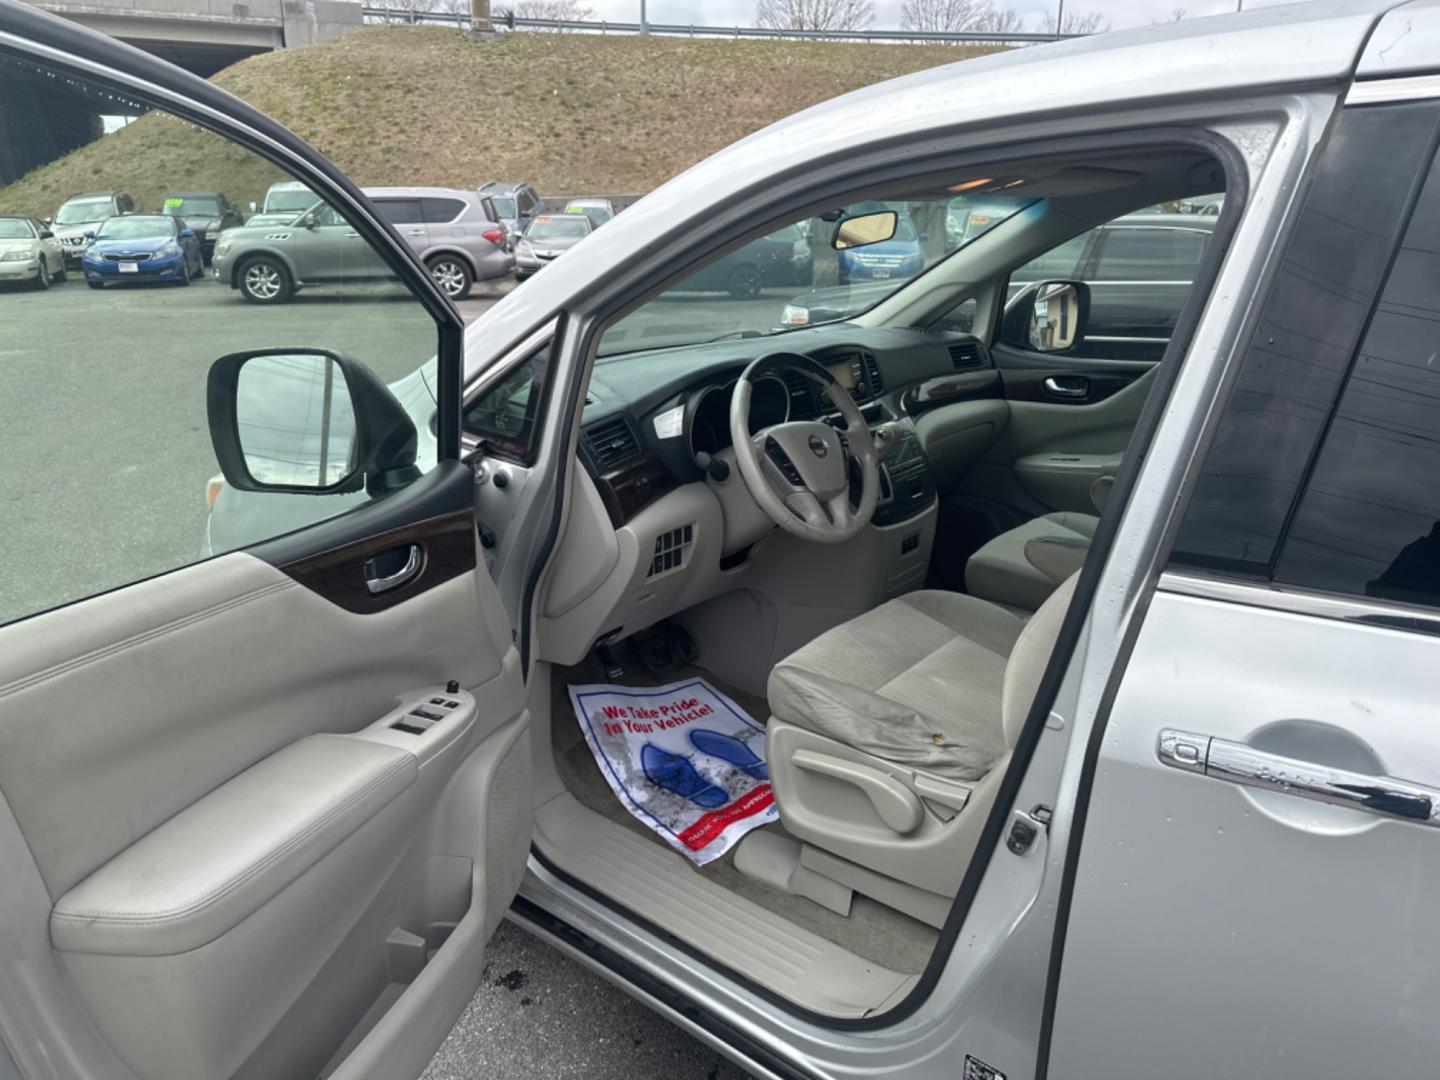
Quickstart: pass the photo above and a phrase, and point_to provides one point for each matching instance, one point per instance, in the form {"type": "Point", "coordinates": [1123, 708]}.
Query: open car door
{"type": "Point", "coordinates": [260, 810]}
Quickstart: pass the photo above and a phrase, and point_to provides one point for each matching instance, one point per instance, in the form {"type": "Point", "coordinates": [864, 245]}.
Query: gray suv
{"type": "Point", "coordinates": [451, 231]}
{"type": "Point", "coordinates": [516, 203]}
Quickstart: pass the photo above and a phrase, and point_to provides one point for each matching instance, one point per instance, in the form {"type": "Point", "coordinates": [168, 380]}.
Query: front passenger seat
{"type": "Point", "coordinates": [1022, 567]}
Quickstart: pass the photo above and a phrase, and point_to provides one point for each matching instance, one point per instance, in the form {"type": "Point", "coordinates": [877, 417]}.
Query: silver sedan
{"type": "Point", "coordinates": [29, 252]}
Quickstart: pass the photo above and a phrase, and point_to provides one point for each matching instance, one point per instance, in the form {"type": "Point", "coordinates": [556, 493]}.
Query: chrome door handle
{"type": "Point", "coordinates": [415, 232]}
{"type": "Point", "coordinates": [1225, 759]}
{"type": "Point", "coordinates": [378, 584]}
{"type": "Point", "coordinates": [1055, 388]}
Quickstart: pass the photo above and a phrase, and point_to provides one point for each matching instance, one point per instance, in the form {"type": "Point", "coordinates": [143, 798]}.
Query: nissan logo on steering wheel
{"type": "Point", "coordinates": [818, 447]}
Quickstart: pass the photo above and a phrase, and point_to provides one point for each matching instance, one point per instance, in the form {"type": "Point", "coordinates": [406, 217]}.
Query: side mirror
{"type": "Point", "coordinates": [187, 232]}
{"type": "Point", "coordinates": [865, 229]}
{"type": "Point", "coordinates": [47, 222]}
{"type": "Point", "coordinates": [309, 221]}
{"type": "Point", "coordinates": [252, 206]}
{"type": "Point", "coordinates": [46, 234]}
{"type": "Point", "coordinates": [309, 422]}
{"type": "Point", "coordinates": [1047, 317]}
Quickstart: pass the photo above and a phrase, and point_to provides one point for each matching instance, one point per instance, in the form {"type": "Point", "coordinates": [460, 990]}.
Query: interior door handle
{"type": "Point", "coordinates": [1224, 759]}
{"type": "Point", "coordinates": [1066, 386]}
{"type": "Point", "coordinates": [379, 583]}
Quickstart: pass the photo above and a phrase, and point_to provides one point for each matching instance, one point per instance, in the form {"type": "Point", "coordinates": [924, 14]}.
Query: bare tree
{"type": "Point", "coordinates": [1176, 14]}
{"type": "Point", "coordinates": [571, 10]}
{"type": "Point", "coordinates": [1091, 22]}
{"type": "Point", "coordinates": [1002, 21]}
{"type": "Point", "coordinates": [423, 7]}
{"type": "Point", "coordinates": [814, 14]}
{"type": "Point", "coordinates": [944, 16]}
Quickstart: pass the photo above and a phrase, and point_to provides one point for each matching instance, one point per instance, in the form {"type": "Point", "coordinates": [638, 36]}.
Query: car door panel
{"type": "Point", "coordinates": [248, 827]}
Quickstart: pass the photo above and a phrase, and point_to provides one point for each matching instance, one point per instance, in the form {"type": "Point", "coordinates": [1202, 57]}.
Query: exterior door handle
{"type": "Point", "coordinates": [1066, 386]}
{"type": "Point", "coordinates": [378, 583]}
{"type": "Point", "coordinates": [1238, 763]}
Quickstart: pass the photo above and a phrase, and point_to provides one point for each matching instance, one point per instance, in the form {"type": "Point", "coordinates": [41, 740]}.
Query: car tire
{"type": "Point", "coordinates": [745, 282]}
{"type": "Point", "coordinates": [264, 280]}
{"type": "Point", "coordinates": [42, 276]}
{"type": "Point", "coordinates": [452, 275]}
{"type": "Point", "coordinates": [95, 284]}
{"type": "Point", "coordinates": [184, 279]}
{"type": "Point", "coordinates": [62, 274]}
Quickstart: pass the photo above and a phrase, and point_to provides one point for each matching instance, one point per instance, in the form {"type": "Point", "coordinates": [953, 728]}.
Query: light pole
{"type": "Point", "coordinates": [645, 25]}
{"type": "Point", "coordinates": [1060, 20]}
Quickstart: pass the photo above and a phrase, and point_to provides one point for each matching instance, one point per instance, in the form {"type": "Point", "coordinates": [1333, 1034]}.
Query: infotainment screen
{"type": "Point", "coordinates": [848, 372]}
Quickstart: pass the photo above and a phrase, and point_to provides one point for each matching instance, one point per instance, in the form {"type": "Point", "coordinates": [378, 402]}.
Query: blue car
{"type": "Point", "coordinates": [894, 259]}
{"type": "Point", "coordinates": [142, 247]}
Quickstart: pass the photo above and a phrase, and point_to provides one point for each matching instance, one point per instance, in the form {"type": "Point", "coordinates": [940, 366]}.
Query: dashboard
{"type": "Point", "coordinates": [652, 419]}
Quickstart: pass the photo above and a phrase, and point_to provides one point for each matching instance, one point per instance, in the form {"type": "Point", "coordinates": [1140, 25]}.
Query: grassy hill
{"type": "Point", "coordinates": [425, 105]}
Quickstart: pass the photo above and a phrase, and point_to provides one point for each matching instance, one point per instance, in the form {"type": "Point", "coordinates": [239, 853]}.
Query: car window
{"type": "Point", "coordinates": [441, 211]}
{"type": "Point", "coordinates": [197, 205]}
{"type": "Point", "coordinates": [793, 276]}
{"type": "Point", "coordinates": [326, 216]}
{"type": "Point", "coordinates": [558, 228]}
{"type": "Point", "coordinates": [1308, 328]}
{"type": "Point", "coordinates": [526, 201]}
{"type": "Point", "coordinates": [1060, 262]}
{"type": "Point", "coordinates": [15, 229]}
{"type": "Point", "coordinates": [1149, 254]}
{"type": "Point", "coordinates": [504, 417]}
{"type": "Point", "coordinates": [399, 211]}
{"type": "Point", "coordinates": [110, 474]}
{"type": "Point", "coordinates": [504, 206]}
{"type": "Point", "coordinates": [1368, 523]}
{"type": "Point", "coordinates": [83, 211]}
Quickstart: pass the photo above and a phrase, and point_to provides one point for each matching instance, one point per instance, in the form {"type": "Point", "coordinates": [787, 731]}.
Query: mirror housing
{"type": "Point", "coordinates": [187, 231]}
{"type": "Point", "coordinates": [309, 422]}
{"type": "Point", "coordinates": [89, 234]}
{"type": "Point", "coordinates": [1047, 317]}
{"type": "Point", "coordinates": [46, 234]}
{"type": "Point", "coordinates": [865, 229]}
{"type": "Point", "coordinates": [309, 221]}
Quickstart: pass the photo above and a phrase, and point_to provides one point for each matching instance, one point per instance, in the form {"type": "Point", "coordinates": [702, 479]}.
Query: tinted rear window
{"type": "Point", "coordinates": [399, 211]}
{"type": "Point", "coordinates": [1148, 254]}
{"type": "Point", "coordinates": [441, 211]}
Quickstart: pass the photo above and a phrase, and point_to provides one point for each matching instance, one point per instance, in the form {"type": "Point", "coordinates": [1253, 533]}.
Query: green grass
{"type": "Point", "coordinates": [425, 105]}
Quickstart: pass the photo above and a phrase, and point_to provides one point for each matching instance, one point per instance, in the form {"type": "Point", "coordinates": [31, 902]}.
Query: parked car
{"type": "Point", "coordinates": [286, 197]}
{"type": "Point", "coordinates": [516, 203]}
{"type": "Point", "coordinates": [779, 259]}
{"type": "Point", "coordinates": [450, 233]}
{"type": "Point", "coordinates": [1146, 785]}
{"type": "Point", "coordinates": [208, 213]}
{"type": "Point", "coordinates": [142, 247]}
{"type": "Point", "coordinates": [895, 259]}
{"type": "Point", "coordinates": [81, 214]}
{"type": "Point", "coordinates": [546, 238]}
{"type": "Point", "coordinates": [268, 264]}
{"type": "Point", "coordinates": [599, 211]}
{"type": "Point", "coordinates": [29, 252]}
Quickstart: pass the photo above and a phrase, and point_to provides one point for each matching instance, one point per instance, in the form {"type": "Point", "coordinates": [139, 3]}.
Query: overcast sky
{"type": "Point", "coordinates": [1121, 13]}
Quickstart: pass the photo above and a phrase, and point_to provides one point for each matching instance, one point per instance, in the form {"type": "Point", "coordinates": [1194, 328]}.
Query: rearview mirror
{"type": "Point", "coordinates": [308, 422]}
{"type": "Point", "coordinates": [865, 229]}
{"type": "Point", "coordinates": [1047, 317]}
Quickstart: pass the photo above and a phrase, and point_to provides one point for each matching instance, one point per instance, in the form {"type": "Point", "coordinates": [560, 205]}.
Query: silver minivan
{"type": "Point", "coordinates": [1095, 690]}
{"type": "Point", "coordinates": [449, 231]}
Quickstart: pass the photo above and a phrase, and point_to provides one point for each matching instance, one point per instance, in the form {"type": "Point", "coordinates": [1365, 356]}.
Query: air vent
{"type": "Point", "coordinates": [802, 395]}
{"type": "Point", "coordinates": [965, 354]}
{"type": "Point", "coordinates": [611, 443]}
{"type": "Point", "coordinates": [874, 385]}
{"type": "Point", "coordinates": [671, 550]}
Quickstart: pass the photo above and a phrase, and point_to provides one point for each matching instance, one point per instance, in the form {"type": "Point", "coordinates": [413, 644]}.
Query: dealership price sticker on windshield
{"type": "Point", "coordinates": [683, 759]}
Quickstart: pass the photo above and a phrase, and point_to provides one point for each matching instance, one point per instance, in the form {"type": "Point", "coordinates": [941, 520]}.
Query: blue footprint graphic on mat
{"type": "Point", "coordinates": [728, 748]}
{"type": "Point", "coordinates": [675, 774]}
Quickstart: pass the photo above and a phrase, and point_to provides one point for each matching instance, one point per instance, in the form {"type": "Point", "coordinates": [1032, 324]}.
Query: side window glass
{"type": "Point", "coordinates": [1168, 255]}
{"type": "Point", "coordinates": [1061, 261]}
{"type": "Point", "coordinates": [441, 211]}
{"type": "Point", "coordinates": [526, 201]}
{"type": "Point", "coordinates": [110, 472]}
{"type": "Point", "coordinates": [1326, 282]}
{"type": "Point", "coordinates": [1368, 523]}
{"type": "Point", "coordinates": [399, 211]}
{"type": "Point", "coordinates": [504, 417]}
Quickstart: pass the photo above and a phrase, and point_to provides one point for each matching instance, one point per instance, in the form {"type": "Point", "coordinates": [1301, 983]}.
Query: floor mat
{"type": "Point", "coordinates": [872, 930]}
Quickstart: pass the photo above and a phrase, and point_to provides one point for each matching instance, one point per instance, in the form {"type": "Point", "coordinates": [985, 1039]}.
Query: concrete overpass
{"type": "Point", "coordinates": [204, 36]}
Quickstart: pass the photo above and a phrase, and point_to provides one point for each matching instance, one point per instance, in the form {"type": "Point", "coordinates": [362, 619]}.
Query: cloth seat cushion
{"type": "Point", "coordinates": [917, 681]}
{"type": "Point", "coordinates": [1022, 567]}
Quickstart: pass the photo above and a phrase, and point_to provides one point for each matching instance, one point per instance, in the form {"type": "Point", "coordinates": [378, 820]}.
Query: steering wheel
{"type": "Point", "coordinates": [799, 471]}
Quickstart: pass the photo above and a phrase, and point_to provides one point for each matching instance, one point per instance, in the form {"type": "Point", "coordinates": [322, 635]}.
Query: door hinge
{"type": "Point", "coordinates": [1024, 828]}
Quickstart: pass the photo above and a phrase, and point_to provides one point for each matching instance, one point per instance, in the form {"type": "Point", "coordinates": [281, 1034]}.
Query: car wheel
{"type": "Point", "coordinates": [744, 283]}
{"type": "Point", "coordinates": [62, 274]}
{"type": "Point", "coordinates": [452, 275]}
{"type": "Point", "coordinates": [42, 276]}
{"type": "Point", "coordinates": [184, 279]}
{"type": "Point", "coordinates": [96, 284]}
{"type": "Point", "coordinates": [265, 281]}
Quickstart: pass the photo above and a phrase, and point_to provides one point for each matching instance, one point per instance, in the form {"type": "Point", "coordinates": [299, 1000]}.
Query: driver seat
{"type": "Point", "coordinates": [889, 736]}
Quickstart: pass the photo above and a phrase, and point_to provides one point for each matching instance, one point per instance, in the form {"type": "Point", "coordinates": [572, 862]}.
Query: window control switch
{"type": "Point", "coordinates": [440, 701]}
{"type": "Point", "coordinates": [426, 714]}
{"type": "Point", "coordinates": [450, 704]}
{"type": "Point", "coordinates": [409, 729]}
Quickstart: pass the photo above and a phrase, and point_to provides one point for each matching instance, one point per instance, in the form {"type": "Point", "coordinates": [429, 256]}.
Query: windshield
{"type": "Point", "coordinates": [557, 228]}
{"type": "Point", "coordinates": [504, 205]}
{"type": "Point", "coordinates": [596, 213]}
{"type": "Point", "coordinates": [295, 199]}
{"type": "Point", "coordinates": [129, 228]}
{"type": "Point", "coordinates": [83, 211]}
{"type": "Point", "coordinates": [793, 277]}
{"type": "Point", "coordinates": [197, 205]}
{"type": "Point", "coordinates": [15, 229]}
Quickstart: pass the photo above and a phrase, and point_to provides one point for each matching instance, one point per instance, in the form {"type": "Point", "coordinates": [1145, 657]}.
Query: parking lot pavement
{"type": "Point", "coordinates": [540, 1016]}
